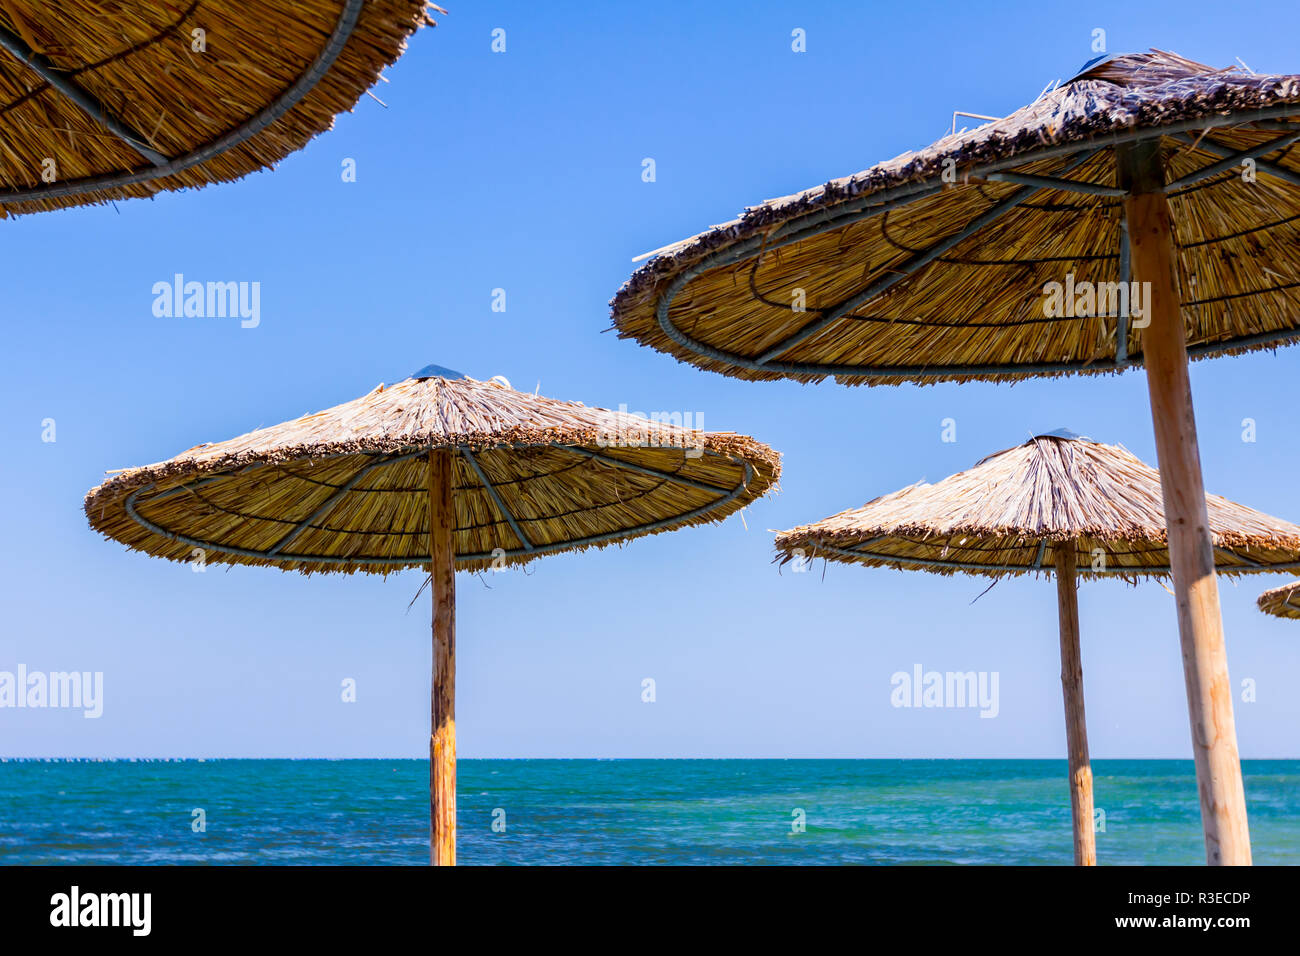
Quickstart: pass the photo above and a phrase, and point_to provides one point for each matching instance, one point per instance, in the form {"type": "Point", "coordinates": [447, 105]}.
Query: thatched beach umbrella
{"type": "Point", "coordinates": [442, 472]}
{"type": "Point", "coordinates": [1009, 251]}
{"type": "Point", "coordinates": [109, 101]}
{"type": "Point", "coordinates": [1054, 505]}
{"type": "Point", "coordinates": [1281, 602]}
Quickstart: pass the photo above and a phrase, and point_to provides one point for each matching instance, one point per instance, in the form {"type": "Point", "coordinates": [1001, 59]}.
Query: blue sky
{"type": "Point", "coordinates": [522, 171]}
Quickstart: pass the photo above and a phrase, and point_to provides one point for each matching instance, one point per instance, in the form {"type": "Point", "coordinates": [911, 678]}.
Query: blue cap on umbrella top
{"type": "Point", "coordinates": [438, 371]}
{"type": "Point", "coordinates": [1062, 433]}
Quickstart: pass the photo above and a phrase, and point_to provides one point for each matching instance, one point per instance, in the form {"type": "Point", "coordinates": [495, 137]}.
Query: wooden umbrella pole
{"type": "Point", "coordinates": [442, 739]}
{"type": "Point", "coordinates": [1191, 549]}
{"type": "Point", "coordinates": [1076, 726]}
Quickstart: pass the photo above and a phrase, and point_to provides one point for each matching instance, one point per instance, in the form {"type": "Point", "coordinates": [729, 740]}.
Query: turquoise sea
{"type": "Point", "coordinates": [620, 812]}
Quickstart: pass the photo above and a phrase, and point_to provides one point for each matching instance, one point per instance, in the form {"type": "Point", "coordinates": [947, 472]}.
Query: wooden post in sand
{"type": "Point", "coordinates": [442, 739]}
{"type": "Point", "coordinates": [1076, 727]}
{"type": "Point", "coordinates": [1191, 550]}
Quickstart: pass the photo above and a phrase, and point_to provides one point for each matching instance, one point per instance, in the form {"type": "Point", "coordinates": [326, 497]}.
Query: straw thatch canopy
{"type": "Point", "coordinates": [346, 489]}
{"type": "Point", "coordinates": [102, 101]}
{"type": "Point", "coordinates": [1281, 602]}
{"type": "Point", "coordinates": [1013, 510]}
{"type": "Point", "coordinates": [933, 266]}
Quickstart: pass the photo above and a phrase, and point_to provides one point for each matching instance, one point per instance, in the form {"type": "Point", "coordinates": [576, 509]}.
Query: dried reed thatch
{"type": "Point", "coordinates": [908, 277]}
{"type": "Point", "coordinates": [1013, 510]}
{"type": "Point", "coordinates": [346, 489]}
{"type": "Point", "coordinates": [115, 96]}
{"type": "Point", "coordinates": [1281, 602]}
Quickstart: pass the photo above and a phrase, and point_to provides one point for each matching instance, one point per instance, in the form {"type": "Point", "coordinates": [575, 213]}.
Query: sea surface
{"type": "Point", "coordinates": [620, 812]}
